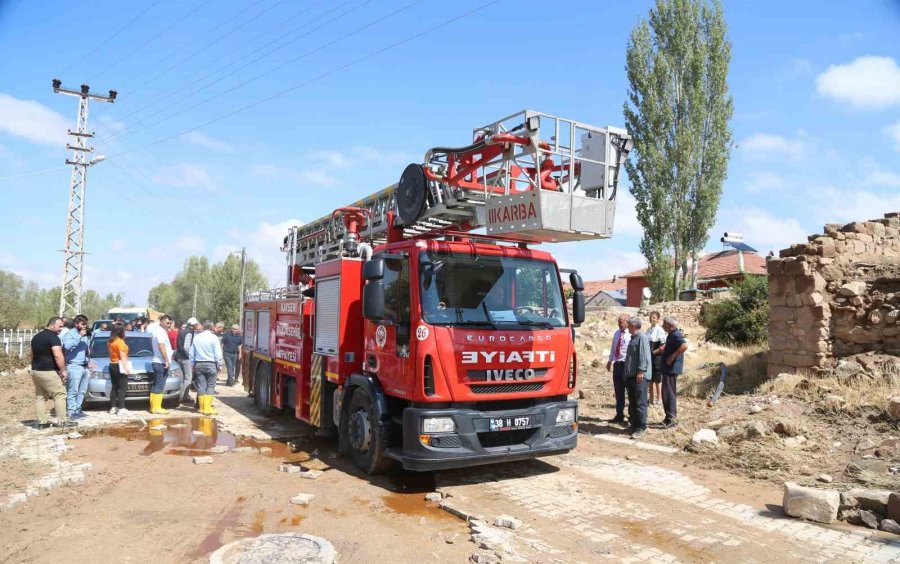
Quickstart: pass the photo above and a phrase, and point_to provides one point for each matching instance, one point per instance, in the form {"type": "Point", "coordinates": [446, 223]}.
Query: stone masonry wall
{"type": "Point", "coordinates": [837, 295]}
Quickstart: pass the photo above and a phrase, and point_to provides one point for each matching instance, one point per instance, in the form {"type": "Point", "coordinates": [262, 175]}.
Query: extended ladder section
{"type": "Point", "coordinates": [530, 176]}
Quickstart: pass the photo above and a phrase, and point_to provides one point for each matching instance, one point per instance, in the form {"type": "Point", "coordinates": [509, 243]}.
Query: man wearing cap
{"type": "Point", "coordinates": [231, 350]}
{"type": "Point", "coordinates": [183, 357]}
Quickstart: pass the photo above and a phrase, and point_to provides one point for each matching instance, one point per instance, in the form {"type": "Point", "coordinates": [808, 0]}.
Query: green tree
{"type": "Point", "coordinates": [742, 319]}
{"type": "Point", "coordinates": [217, 289]}
{"type": "Point", "coordinates": [677, 111]}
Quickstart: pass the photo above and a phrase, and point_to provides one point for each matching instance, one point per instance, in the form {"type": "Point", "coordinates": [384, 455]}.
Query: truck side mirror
{"type": "Point", "coordinates": [374, 269]}
{"type": "Point", "coordinates": [576, 282]}
{"type": "Point", "coordinates": [373, 299]}
{"type": "Point", "coordinates": [578, 308]}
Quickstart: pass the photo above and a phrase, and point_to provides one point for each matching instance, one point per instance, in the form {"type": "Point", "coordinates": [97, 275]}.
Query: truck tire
{"type": "Point", "coordinates": [262, 390]}
{"type": "Point", "coordinates": [366, 443]}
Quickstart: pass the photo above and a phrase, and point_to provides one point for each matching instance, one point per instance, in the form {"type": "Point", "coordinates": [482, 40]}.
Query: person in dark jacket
{"type": "Point", "coordinates": [637, 377]}
{"type": "Point", "coordinates": [672, 365]}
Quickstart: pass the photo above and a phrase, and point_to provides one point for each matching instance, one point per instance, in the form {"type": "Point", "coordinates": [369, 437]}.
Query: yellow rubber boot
{"type": "Point", "coordinates": [201, 404]}
{"type": "Point", "coordinates": [155, 431]}
{"type": "Point", "coordinates": [209, 407]}
{"type": "Point", "coordinates": [206, 426]}
{"type": "Point", "coordinates": [156, 404]}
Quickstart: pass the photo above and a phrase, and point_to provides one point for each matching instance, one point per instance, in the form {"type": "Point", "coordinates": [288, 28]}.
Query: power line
{"type": "Point", "coordinates": [270, 71]}
{"type": "Point", "coordinates": [163, 96]}
{"type": "Point", "coordinates": [33, 173]}
{"type": "Point", "coordinates": [190, 44]}
{"type": "Point", "coordinates": [110, 38]}
{"type": "Point", "coordinates": [321, 76]}
{"type": "Point", "coordinates": [154, 38]}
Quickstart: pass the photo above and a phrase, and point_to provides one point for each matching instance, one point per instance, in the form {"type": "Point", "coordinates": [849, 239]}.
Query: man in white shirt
{"type": "Point", "coordinates": [616, 364]}
{"type": "Point", "coordinates": [162, 355]}
{"type": "Point", "coordinates": [206, 356]}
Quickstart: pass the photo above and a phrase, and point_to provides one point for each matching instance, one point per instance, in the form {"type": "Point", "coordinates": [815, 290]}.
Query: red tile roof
{"type": "Point", "coordinates": [720, 265]}
{"type": "Point", "coordinates": [593, 287]}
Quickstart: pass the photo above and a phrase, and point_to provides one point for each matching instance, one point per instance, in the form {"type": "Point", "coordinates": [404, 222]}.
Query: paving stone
{"type": "Point", "coordinates": [434, 497]}
{"type": "Point", "coordinates": [508, 522]}
{"type": "Point", "coordinates": [302, 499]}
{"type": "Point", "coordinates": [203, 460]}
{"type": "Point", "coordinates": [219, 449]}
{"type": "Point", "coordinates": [809, 503]}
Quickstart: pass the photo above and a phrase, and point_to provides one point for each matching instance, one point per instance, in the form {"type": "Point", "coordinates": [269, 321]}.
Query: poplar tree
{"type": "Point", "coordinates": [677, 111]}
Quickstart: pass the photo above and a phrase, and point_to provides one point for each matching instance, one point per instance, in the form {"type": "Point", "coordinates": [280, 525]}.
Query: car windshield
{"type": "Point", "coordinates": [137, 346]}
{"type": "Point", "coordinates": [125, 316]}
{"type": "Point", "coordinates": [495, 291]}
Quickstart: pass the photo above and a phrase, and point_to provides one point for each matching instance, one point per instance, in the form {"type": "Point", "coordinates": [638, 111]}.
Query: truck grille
{"type": "Point", "coordinates": [507, 388]}
{"type": "Point", "coordinates": [505, 438]}
{"type": "Point", "coordinates": [558, 432]}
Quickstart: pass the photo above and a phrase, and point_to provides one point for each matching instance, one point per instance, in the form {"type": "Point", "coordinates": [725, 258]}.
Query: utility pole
{"type": "Point", "coordinates": [194, 307]}
{"type": "Point", "coordinates": [241, 296]}
{"type": "Point", "coordinates": [70, 291]}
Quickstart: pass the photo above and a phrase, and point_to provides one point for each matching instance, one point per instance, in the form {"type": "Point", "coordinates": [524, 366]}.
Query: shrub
{"type": "Point", "coordinates": [741, 320]}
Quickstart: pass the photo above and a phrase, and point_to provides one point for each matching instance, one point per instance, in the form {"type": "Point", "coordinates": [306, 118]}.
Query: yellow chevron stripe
{"type": "Point", "coordinates": [315, 391]}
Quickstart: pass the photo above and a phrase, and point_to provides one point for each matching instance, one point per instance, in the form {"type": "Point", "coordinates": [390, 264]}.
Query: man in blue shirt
{"type": "Point", "coordinates": [206, 356]}
{"type": "Point", "coordinates": [75, 343]}
{"type": "Point", "coordinates": [672, 366]}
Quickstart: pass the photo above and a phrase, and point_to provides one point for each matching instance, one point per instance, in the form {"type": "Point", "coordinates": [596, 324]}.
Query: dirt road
{"type": "Point", "coordinates": [129, 491]}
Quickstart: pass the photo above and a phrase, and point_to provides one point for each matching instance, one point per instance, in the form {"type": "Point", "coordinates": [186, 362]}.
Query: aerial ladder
{"type": "Point", "coordinates": [530, 176]}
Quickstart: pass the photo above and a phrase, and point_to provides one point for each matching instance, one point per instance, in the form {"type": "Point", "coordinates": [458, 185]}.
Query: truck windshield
{"type": "Point", "coordinates": [512, 293]}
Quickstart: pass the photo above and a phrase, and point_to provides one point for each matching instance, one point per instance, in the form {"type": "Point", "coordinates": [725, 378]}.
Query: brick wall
{"type": "Point", "coordinates": [836, 295]}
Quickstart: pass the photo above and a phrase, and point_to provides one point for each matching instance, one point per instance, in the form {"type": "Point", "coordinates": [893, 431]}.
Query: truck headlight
{"type": "Point", "coordinates": [98, 375]}
{"type": "Point", "coordinates": [565, 415]}
{"type": "Point", "coordinates": [438, 425]}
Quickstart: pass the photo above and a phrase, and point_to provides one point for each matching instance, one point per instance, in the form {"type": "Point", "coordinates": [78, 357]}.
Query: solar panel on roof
{"type": "Point", "coordinates": [741, 247]}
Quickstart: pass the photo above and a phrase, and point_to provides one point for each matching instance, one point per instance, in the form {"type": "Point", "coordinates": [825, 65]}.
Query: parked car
{"type": "Point", "coordinates": [100, 323]}
{"type": "Point", "coordinates": [140, 354]}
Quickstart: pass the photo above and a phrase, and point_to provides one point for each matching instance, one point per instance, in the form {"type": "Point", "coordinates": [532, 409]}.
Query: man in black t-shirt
{"type": "Point", "coordinates": [48, 372]}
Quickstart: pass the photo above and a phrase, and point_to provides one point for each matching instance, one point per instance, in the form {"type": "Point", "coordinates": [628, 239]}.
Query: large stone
{"type": "Point", "coordinates": [820, 506]}
{"type": "Point", "coordinates": [855, 288]}
{"type": "Point", "coordinates": [893, 507]}
{"type": "Point", "coordinates": [302, 499]}
{"type": "Point", "coordinates": [508, 522]}
{"type": "Point", "coordinates": [868, 519]}
{"type": "Point", "coordinates": [863, 465]}
{"type": "Point", "coordinates": [873, 500]}
{"type": "Point", "coordinates": [705, 437]}
{"type": "Point", "coordinates": [729, 432]}
{"type": "Point", "coordinates": [756, 429]}
{"type": "Point", "coordinates": [893, 407]}
{"type": "Point", "coordinates": [890, 526]}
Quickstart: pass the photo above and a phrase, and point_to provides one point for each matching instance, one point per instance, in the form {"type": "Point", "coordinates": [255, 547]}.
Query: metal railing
{"type": "Point", "coordinates": [16, 341]}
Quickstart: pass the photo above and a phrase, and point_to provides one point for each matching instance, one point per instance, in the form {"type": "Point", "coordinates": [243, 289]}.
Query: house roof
{"type": "Point", "coordinates": [719, 265]}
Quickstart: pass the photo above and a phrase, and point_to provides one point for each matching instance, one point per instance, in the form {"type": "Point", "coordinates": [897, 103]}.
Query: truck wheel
{"type": "Point", "coordinates": [366, 443]}
{"type": "Point", "coordinates": [262, 390]}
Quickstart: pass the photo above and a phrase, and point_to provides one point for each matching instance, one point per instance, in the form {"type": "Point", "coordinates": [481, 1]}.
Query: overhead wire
{"type": "Point", "coordinates": [322, 76]}
{"type": "Point", "coordinates": [162, 97]}
{"type": "Point", "coordinates": [33, 172]}
{"type": "Point", "coordinates": [272, 70]}
{"type": "Point", "coordinates": [110, 38]}
{"type": "Point", "coordinates": [148, 41]}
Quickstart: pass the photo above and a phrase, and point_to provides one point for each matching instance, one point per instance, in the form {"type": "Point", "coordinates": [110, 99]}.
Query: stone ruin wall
{"type": "Point", "coordinates": [835, 296]}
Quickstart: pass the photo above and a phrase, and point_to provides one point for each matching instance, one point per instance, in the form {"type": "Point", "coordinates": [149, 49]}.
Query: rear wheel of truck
{"type": "Point", "coordinates": [262, 390]}
{"type": "Point", "coordinates": [367, 444]}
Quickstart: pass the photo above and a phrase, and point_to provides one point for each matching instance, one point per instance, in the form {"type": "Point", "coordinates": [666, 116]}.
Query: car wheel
{"type": "Point", "coordinates": [367, 444]}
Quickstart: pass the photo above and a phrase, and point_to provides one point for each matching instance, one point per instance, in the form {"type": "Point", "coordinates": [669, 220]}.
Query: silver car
{"type": "Point", "coordinates": [140, 354]}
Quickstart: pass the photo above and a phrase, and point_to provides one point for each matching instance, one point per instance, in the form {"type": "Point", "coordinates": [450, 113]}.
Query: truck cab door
{"type": "Point", "coordinates": [390, 359]}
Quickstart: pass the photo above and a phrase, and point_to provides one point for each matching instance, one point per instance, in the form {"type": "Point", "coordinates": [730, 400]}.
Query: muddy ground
{"type": "Point", "coordinates": [142, 497]}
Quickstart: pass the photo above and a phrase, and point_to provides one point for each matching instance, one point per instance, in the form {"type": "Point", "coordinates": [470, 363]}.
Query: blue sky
{"type": "Point", "coordinates": [816, 89]}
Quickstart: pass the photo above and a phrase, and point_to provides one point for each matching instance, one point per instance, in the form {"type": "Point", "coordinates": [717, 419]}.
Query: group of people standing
{"type": "Point", "coordinates": [645, 362]}
{"type": "Point", "coordinates": [61, 360]}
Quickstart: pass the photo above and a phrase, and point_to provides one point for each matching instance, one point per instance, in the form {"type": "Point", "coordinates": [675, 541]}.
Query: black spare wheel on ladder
{"type": "Point", "coordinates": [411, 192]}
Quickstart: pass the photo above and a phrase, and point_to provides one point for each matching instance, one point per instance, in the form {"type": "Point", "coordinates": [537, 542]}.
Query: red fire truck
{"type": "Point", "coordinates": [420, 324]}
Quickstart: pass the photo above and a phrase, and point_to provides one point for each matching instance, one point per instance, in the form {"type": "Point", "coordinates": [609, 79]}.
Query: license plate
{"type": "Point", "coordinates": [138, 387]}
{"type": "Point", "coordinates": [510, 423]}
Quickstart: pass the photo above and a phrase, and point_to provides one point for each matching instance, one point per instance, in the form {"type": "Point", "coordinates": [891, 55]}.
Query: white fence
{"type": "Point", "coordinates": [16, 341]}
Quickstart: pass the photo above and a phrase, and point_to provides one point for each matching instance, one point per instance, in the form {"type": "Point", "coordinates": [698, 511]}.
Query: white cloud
{"type": "Point", "coordinates": [182, 247]}
{"type": "Point", "coordinates": [626, 222]}
{"type": "Point", "coordinates": [763, 145]}
{"type": "Point", "coordinates": [32, 121]}
{"type": "Point", "coordinates": [883, 178]}
{"type": "Point", "coordinates": [762, 180]}
{"type": "Point", "coordinates": [336, 159]}
{"type": "Point", "coordinates": [185, 175]}
{"type": "Point", "coordinates": [204, 140]}
{"type": "Point", "coordinates": [117, 245]}
{"type": "Point", "coordinates": [263, 246]}
{"type": "Point", "coordinates": [594, 262]}
{"type": "Point", "coordinates": [833, 204]}
{"type": "Point", "coordinates": [893, 131]}
{"type": "Point", "coordinates": [868, 82]}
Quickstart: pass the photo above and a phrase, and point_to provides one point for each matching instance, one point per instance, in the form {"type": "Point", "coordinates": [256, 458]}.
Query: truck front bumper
{"type": "Point", "coordinates": [474, 442]}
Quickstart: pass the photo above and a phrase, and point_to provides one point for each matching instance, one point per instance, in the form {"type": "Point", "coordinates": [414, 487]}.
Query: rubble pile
{"type": "Point", "coordinates": [836, 296]}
